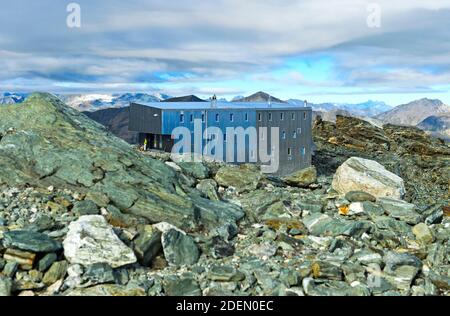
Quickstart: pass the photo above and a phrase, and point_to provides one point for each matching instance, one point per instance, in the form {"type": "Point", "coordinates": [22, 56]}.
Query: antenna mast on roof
{"type": "Point", "coordinates": [306, 103]}
{"type": "Point", "coordinates": [270, 101]}
{"type": "Point", "coordinates": [214, 101]}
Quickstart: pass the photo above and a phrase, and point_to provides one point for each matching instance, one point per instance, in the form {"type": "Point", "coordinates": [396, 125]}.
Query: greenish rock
{"type": "Point", "coordinates": [442, 282]}
{"type": "Point", "coordinates": [241, 178]}
{"type": "Point", "coordinates": [181, 286]}
{"type": "Point", "coordinates": [359, 196]}
{"type": "Point", "coordinates": [85, 207]}
{"type": "Point", "coordinates": [323, 225]}
{"type": "Point", "coordinates": [179, 249]}
{"type": "Point", "coordinates": [98, 273]}
{"type": "Point", "coordinates": [290, 277]}
{"type": "Point", "coordinates": [208, 188]}
{"type": "Point", "coordinates": [326, 270]}
{"type": "Point", "coordinates": [311, 206]}
{"type": "Point", "coordinates": [118, 219]}
{"type": "Point", "coordinates": [5, 286]}
{"type": "Point", "coordinates": [148, 245]}
{"type": "Point", "coordinates": [194, 169]}
{"type": "Point", "coordinates": [423, 233]}
{"type": "Point", "coordinates": [312, 287]}
{"type": "Point", "coordinates": [10, 269]}
{"type": "Point", "coordinates": [256, 203]}
{"type": "Point", "coordinates": [401, 210]}
{"type": "Point", "coordinates": [276, 210]}
{"type": "Point", "coordinates": [402, 277]}
{"type": "Point", "coordinates": [372, 209]}
{"type": "Point", "coordinates": [225, 274]}
{"type": "Point", "coordinates": [366, 257]}
{"type": "Point", "coordinates": [302, 178]}
{"type": "Point", "coordinates": [30, 241]}
{"type": "Point", "coordinates": [56, 272]}
{"type": "Point", "coordinates": [47, 261]}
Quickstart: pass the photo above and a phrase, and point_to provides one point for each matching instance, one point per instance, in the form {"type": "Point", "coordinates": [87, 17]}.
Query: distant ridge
{"type": "Point", "coordinates": [260, 97]}
{"type": "Point", "coordinates": [187, 98]}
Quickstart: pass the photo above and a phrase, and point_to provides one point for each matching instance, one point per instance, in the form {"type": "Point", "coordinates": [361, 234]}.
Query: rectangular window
{"type": "Point", "coordinates": [270, 116]}
{"type": "Point", "coordinates": [181, 118]}
{"type": "Point", "coordinates": [231, 117]}
{"type": "Point", "coordinates": [224, 137]}
{"type": "Point", "coordinates": [203, 117]}
{"type": "Point", "coordinates": [289, 151]}
{"type": "Point", "coordinates": [283, 135]}
{"type": "Point", "coordinates": [217, 117]}
{"type": "Point", "coordinates": [259, 117]}
{"type": "Point", "coordinates": [304, 115]}
{"type": "Point", "coordinates": [282, 116]}
{"type": "Point", "coordinates": [191, 118]}
{"type": "Point", "coordinates": [246, 117]}
{"type": "Point", "coordinates": [262, 135]}
{"type": "Point", "coordinates": [299, 130]}
{"type": "Point", "coordinates": [303, 151]}
{"type": "Point", "coordinates": [293, 116]}
{"type": "Point", "coordinates": [294, 135]}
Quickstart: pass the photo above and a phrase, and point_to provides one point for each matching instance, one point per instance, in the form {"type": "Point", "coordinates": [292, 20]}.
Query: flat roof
{"type": "Point", "coordinates": [222, 106]}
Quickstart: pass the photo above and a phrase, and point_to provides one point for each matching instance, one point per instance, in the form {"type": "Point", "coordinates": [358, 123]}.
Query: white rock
{"type": "Point", "coordinates": [356, 208]}
{"type": "Point", "coordinates": [357, 174]}
{"type": "Point", "coordinates": [164, 227]}
{"type": "Point", "coordinates": [91, 240]}
{"type": "Point", "coordinates": [173, 165]}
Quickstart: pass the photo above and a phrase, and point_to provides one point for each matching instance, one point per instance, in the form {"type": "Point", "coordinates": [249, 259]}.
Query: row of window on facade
{"type": "Point", "coordinates": [260, 118]}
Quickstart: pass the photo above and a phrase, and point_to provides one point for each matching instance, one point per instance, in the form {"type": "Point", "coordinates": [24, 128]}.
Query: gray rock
{"type": "Point", "coordinates": [179, 249]}
{"type": "Point", "coordinates": [47, 261]}
{"type": "Point", "coordinates": [243, 179]}
{"type": "Point", "coordinates": [85, 207]}
{"type": "Point", "coordinates": [442, 282]}
{"type": "Point", "coordinates": [324, 225]}
{"type": "Point", "coordinates": [194, 169]}
{"type": "Point", "coordinates": [30, 241]}
{"type": "Point", "coordinates": [302, 178]}
{"type": "Point", "coordinates": [208, 188]}
{"type": "Point", "coordinates": [423, 233]}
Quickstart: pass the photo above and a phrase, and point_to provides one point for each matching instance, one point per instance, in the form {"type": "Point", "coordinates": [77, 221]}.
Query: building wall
{"type": "Point", "coordinates": [145, 119]}
{"type": "Point", "coordinates": [300, 146]}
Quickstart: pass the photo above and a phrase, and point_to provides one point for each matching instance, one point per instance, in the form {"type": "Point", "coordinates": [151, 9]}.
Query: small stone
{"type": "Point", "coordinates": [179, 249]}
{"type": "Point", "coordinates": [302, 178]}
{"type": "Point", "coordinates": [86, 207]}
{"type": "Point", "coordinates": [393, 260]}
{"type": "Point", "coordinates": [10, 269]}
{"type": "Point", "coordinates": [5, 286]}
{"type": "Point", "coordinates": [359, 196]}
{"type": "Point", "coordinates": [208, 188]}
{"type": "Point", "coordinates": [47, 261]}
{"type": "Point", "coordinates": [98, 273]}
{"type": "Point", "coordinates": [423, 233]}
{"type": "Point", "coordinates": [263, 251]}
{"type": "Point", "coordinates": [30, 241]}
{"type": "Point", "coordinates": [56, 272]}
{"type": "Point", "coordinates": [326, 270]}
{"type": "Point", "coordinates": [221, 248]}
{"type": "Point", "coordinates": [225, 274]}
{"type": "Point", "coordinates": [401, 210]}
{"type": "Point", "coordinates": [181, 286]}
{"type": "Point", "coordinates": [23, 258]}
{"type": "Point", "coordinates": [148, 245]}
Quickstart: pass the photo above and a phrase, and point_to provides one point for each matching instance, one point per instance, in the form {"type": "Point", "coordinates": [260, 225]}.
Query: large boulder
{"type": "Point", "coordinates": [357, 174]}
{"type": "Point", "coordinates": [92, 240]}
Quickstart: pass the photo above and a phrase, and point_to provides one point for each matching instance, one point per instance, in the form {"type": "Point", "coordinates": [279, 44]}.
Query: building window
{"type": "Point", "coordinates": [270, 116]}
{"type": "Point", "coordinates": [252, 154]}
{"type": "Point", "coordinates": [262, 135]}
{"type": "Point", "coordinates": [294, 135]}
{"type": "Point", "coordinates": [181, 118]}
{"type": "Point", "coordinates": [259, 117]}
{"type": "Point", "coordinates": [299, 130]}
{"type": "Point", "coordinates": [303, 151]}
{"type": "Point", "coordinates": [284, 135]}
{"type": "Point", "coordinates": [203, 117]}
{"type": "Point", "coordinates": [231, 117]}
{"type": "Point", "coordinates": [191, 118]}
{"type": "Point", "coordinates": [293, 116]}
{"type": "Point", "coordinates": [282, 116]}
{"type": "Point", "coordinates": [289, 151]}
{"type": "Point", "coordinates": [217, 117]}
{"type": "Point", "coordinates": [224, 137]}
{"type": "Point", "coordinates": [246, 117]}
{"type": "Point", "coordinates": [304, 115]}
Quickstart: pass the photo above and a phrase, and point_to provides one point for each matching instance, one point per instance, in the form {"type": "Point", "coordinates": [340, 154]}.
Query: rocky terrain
{"type": "Point", "coordinates": [84, 213]}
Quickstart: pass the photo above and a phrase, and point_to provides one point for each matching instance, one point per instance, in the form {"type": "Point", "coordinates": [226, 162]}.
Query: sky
{"type": "Point", "coordinates": [351, 51]}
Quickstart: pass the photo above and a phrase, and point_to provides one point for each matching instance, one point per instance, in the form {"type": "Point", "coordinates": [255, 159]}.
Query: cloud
{"type": "Point", "coordinates": [204, 45]}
